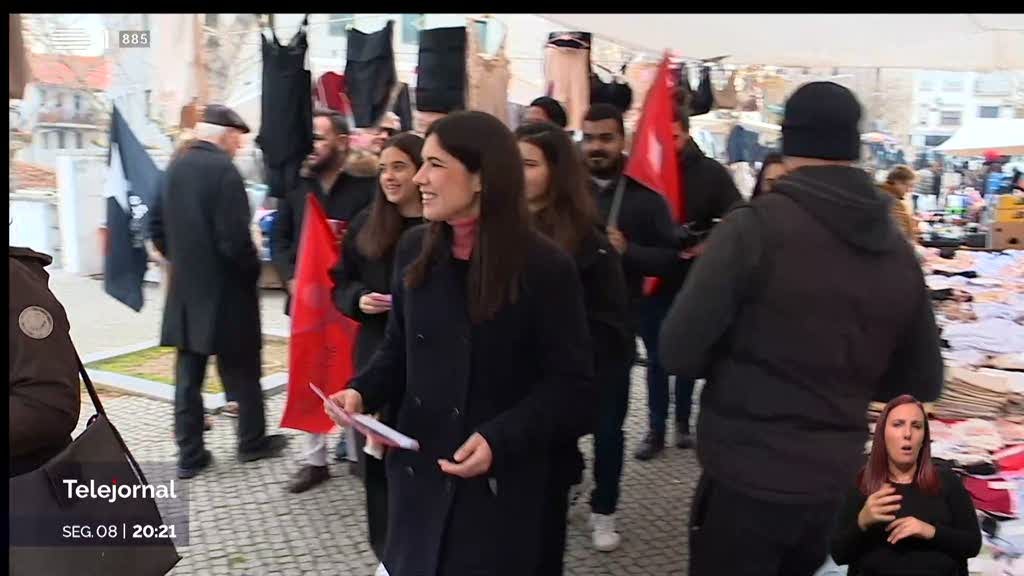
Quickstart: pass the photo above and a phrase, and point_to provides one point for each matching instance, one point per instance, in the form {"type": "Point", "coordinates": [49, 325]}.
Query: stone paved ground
{"type": "Point", "coordinates": [243, 522]}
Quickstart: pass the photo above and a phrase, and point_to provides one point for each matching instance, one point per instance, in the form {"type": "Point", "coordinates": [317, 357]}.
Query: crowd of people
{"type": "Point", "coordinates": [502, 279]}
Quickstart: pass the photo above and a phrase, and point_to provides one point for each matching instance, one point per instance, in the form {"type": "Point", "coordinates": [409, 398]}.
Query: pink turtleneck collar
{"type": "Point", "coordinates": [464, 235]}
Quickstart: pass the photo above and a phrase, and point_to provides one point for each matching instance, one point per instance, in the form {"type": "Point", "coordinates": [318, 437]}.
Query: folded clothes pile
{"type": "Point", "coordinates": [994, 336]}
{"type": "Point", "coordinates": [969, 394]}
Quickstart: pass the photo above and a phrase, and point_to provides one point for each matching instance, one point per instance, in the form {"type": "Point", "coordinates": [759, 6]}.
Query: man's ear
{"type": "Point", "coordinates": [475, 183]}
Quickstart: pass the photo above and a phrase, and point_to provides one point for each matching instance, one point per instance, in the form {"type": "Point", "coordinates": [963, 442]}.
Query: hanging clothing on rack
{"type": "Point", "coordinates": [681, 78]}
{"type": "Point", "coordinates": [617, 92]}
{"type": "Point", "coordinates": [441, 72]}
{"type": "Point", "coordinates": [330, 90]}
{"type": "Point", "coordinates": [567, 70]}
{"type": "Point", "coordinates": [286, 126]}
{"type": "Point", "coordinates": [487, 74]}
{"type": "Point", "coordinates": [726, 98]}
{"type": "Point", "coordinates": [331, 94]}
{"type": "Point", "coordinates": [403, 107]}
{"type": "Point", "coordinates": [640, 75]}
{"type": "Point", "coordinates": [370, 73]}
{"type": "Point", "coordinates": [703, 98]}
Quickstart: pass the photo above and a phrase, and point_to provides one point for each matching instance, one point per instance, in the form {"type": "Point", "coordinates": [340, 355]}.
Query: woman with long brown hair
{"type": "Point", "coordinates": [905, 515]}
{"type": "Point", "coordinates": [486, 354]}
{"type": "Point", "coordinates": [562, 208]}
{"type": "Point", "coordinates": [362, 286]}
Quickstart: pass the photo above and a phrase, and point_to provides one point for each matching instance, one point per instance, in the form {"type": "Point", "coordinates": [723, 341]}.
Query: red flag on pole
{"type": "Point", "coordinates": [322, 339]}
{"type": "Point", "coordinates": [652, 160]}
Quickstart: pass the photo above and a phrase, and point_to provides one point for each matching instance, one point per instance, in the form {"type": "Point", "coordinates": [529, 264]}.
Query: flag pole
{"type": "Point", "coordinates": [613, 214]}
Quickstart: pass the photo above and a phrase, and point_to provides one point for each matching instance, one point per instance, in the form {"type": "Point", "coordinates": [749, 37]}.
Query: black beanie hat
{"type": "Point", "coordinates": [552, 108]}
{"type": "Point", "coordinates": [821, 121]}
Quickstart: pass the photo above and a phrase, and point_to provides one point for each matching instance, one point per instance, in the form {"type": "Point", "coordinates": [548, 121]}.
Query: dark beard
{"type": "Point", "coordinates": [607, 173]}
{"type": "Point", "coordinates": [327, 165]}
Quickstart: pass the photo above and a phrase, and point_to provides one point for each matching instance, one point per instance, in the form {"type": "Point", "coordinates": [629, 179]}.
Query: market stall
{"type": "Point", "coordinates": [1001, 135]}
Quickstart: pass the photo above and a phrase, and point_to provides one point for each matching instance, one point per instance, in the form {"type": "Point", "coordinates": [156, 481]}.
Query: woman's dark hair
{"type": "Point", "coordinates": [570, 213]}
{"type": "Point", "coordinates": [769, 159]}
{"type": "Point", "coordinates": [384, 225]}
{"type": "Point", "coordinates": [876, 472]}
{"type": "Point", "coordinates": [484, 146]}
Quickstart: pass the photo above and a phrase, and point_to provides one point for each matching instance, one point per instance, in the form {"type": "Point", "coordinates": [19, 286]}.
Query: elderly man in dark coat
{"type": "Point", "coordinates": [202, 228]}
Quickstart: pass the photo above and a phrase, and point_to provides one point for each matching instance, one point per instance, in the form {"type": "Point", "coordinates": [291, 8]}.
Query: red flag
{"type": "Point", "coordinates": [320, 350]}
{"type": "Point", "coordinates": [652, 160]}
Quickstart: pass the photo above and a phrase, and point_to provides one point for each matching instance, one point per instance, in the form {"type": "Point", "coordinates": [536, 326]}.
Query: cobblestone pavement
{"type": "Point", "coordinates": [243, 522]}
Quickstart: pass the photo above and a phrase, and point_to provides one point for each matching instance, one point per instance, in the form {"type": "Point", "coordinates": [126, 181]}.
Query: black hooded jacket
{"type": "Point", "coordinates": [806, 305]}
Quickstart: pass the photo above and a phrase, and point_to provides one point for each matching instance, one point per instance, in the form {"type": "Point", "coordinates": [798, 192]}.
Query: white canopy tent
{"type": "Point", "coordinates": [979, 42]}
{"type": "Point", "coordinates": [1003, 135]}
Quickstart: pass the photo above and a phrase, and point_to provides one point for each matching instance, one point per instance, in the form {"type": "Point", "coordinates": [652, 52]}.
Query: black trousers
{"type": "Point", "coordinates": [375, 481]}
{"type": "Point", "coordinates": [552, 549]}
{"type": "Point", "coordinates": [240, 373]}
{"type": "Point", "coordinates": [736, 534]}
{"type": "Point", "coordinates": [609, 440]}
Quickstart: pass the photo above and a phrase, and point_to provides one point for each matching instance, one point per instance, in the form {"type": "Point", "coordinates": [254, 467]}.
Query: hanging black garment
{"type": "Point", "coordinates": [618, 94]}
{"type": "Point", "coordinates": [403, 107]}
{"type": "Point", "coordinates": [441, 73]}
{"type": "Point", "coordinates": [370, 73]}
{"type": "Point", "coordinates": [703, 98]}
{"type": "Point", "coordinates": [286, 123]}
{"type": "Point", "coordinates": [580, 40]}
{"type": "Point", "coordinates": [681, 78]}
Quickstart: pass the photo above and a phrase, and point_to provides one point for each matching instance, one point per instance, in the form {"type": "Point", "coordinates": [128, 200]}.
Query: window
{"type": "Point", "coordinates": [149, 103]}
{"type": "Point", "coordinates": [42, 96]}
{"type": "Point", "coordinates": [338, 24]}
{"type": "Point", "coordinates": [950, 118]}
{"type": "Point", "coordinates": [60, 140]}
{"type": "Point", "coordinates": [934, 140]}
{"type": "Point", "coordinates": [78, 102]}
{"type": "Point", "coordinates": [211, 20]}
{"type": "Point", "coordinates": [78, 140]}
{"type": "Point", "coordinates": [953, 85]}
{"type": "Point", "coordinates": [988, 111]}
{"type": "Point", "coordinates": [411, 26]}
{"type": "Point", "coordinates": [926, 85]}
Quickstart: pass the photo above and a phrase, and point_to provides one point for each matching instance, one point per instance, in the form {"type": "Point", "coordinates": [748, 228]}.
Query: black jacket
{"type": "Point", "coordinates": [356, 275]}
{"type": "Point", "coordinates": [44, 394]}
{"type": "Point", "coordinates": [646, 222]}
{"type": "Point", "coordinates": [710, 193]}
{"type": "Point", "coordinates": [348, 196]}
{"type": "Point", "coordinates": [607, 304]}
{"type": "Point", "coordinates": [514, 379]}
{"type": "Point", "coordinates": [806, 305]}
{"type": "Point", "coordinates": [203, 230]}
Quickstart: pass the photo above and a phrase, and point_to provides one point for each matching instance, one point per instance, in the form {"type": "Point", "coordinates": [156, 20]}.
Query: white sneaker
{"type": "Point", "coordinates": [605, 538]}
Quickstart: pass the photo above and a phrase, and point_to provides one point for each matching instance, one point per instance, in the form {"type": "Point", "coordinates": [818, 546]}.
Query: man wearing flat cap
{"type": "Point", "coordinates": [806, 305]}
{"type": "Point", "coordinates": [202, 227]}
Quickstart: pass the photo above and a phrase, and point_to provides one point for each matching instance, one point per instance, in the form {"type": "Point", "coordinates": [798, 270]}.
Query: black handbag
{"type": "Point", "coordinates": [53, 532]}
